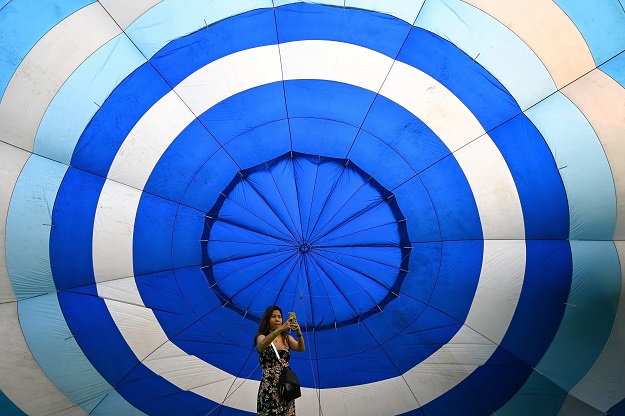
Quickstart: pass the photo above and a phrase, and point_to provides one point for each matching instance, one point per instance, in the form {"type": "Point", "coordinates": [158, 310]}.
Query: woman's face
{"type": "Point", "coordinates": [276, 319]}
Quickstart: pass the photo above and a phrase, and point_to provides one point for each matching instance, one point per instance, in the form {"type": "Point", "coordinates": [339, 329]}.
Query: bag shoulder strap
{"type": "Point", "coordinates": [276, 350]}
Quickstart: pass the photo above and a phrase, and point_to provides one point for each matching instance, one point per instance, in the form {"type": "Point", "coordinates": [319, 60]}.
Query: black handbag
{"type": "Point", "coordinates": [288, 382]}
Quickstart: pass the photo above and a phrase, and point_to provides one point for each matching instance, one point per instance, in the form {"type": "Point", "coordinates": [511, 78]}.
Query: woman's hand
{"type": "Point", "coordinates": [284, 327]}
{"type": "Point", "coordinates": [294, 326]}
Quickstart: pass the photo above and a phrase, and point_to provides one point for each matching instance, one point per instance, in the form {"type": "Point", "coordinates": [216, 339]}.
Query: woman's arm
{"type": "Point", "coordinates": [299, 344]}
{"type": "Point", "coordinates": [263, 341]}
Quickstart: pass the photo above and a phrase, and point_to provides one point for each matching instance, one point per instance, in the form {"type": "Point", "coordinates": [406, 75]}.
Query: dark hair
{"type": "Point", "coordinates": [263, 327]}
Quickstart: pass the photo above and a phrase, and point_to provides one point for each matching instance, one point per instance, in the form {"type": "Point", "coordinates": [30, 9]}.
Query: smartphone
{"type": "Point", "coordinates": [292, 317]}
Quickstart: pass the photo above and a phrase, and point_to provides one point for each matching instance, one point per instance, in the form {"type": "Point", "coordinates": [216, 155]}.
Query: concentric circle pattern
{"type": "Point", "coordinates": [306, 227]}
{"type": "Point", "coordinates": [434, 187]}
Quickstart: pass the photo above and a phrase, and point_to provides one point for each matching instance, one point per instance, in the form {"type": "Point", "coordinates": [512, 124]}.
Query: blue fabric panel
{"type": "Point", "coordinates": [160, 292]}
{"type": "Point", "coordinates": [539, 396]}
{"type": "Point", "coordinates": [181, 161]}
{"type": "Point", "coordinates": [404, 133]}
{"type": "Point", "coordinates": [540, 188]}
{"type": "Point", "coordinates": [39, 17]}
{"type": "Point", "coordinates": [328, 100]}
{"type": "Point", "coordinates": [541, 305]}
{"type": "Point", "coordinates": [568, 359]}
{"type": "Point", "coordinates": [453, 201]}
{"type": "Point", "coordinates": [424, 267]}
{"type": "Point", "coordinates": [615, 68]}
{"type": "Point", "coordinates": [618, 409]}
{"type": "Point", "coordinates": [322, 137]}
{"type": "Point", "coordinates": [8, 408]}
{"type": "Point", "coordinates": [461, 263]}
{"type": "Point", "coordinates": [81, 95]}
{"type": "Point", "coordinates": [249, 214]}
{"type": "Point", "coordinates": [71, 238]}
{"type": "Point", "coordinates": [152, 237]}
{"type": "Point", "coordinates": [415, 204]}
{"type": "Point", "coordinates": [28, 227]}
{"type": "Point", "coordinates": [169, 20]}
{"type": "Point", "coordinates": [368, 362]}
{"type": "Point", "coordinates": [487, 99]}
{"type": "Point", "coordinates": [260, 144]}
{"type": "Point", "coordinates": [210, 180]}
{"type": "Point", "coordinates": [182, 57]}
{"type": "Point", "coordinates": [96, 333]}
{"type": "Point", "coordinates": [381, 161]}
{"type": "Point", "coordinates": [245, 111]}
{"type": "Point", "coordinates": [472, 398]}
{"type": "Point", "coordinates": [601, 23]}
{"type": "Point", "coordinates": [360, 27]}
{"type": "Point", "coordinates": [154, 395]}
{"type": "Point", "coordinates": [102, 138]}
{"type": "Point", "coordinates": [430, 330]}
{"type": "Point", "coordinates": [188, 227]}
{"type": "Point", "coordinates": [193, 285]}
{"type": "Point", "coordinates": [215, 340]}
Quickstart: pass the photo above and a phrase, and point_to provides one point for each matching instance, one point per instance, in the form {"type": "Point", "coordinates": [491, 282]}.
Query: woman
{"type": "Point", "coordinates": [273, 330]}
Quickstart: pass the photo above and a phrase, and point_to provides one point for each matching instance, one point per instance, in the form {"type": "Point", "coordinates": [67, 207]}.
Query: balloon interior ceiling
{"type": "Point", "coordinates": [436, 188]}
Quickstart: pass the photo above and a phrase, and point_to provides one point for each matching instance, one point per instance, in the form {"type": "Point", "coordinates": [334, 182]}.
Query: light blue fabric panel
{"type": "Point", "coordinates": [601, 23]}
{"type": "Point", "coordinates": [29, 222]}
{"type": "Point", "coordinates": [538, 397]}
{"type": "Point", "coordinates": [115, 404]}
{"type": "Point", "coordinates": [82, 95]}
{"type": "Point", "coordinates": [39, 17]}
{"type": "Point", "coordinates": [171, 19]}
{"type": "Point", "coordinates": [616, 68]}
{"type": "Point", "coordinates": [404, 10]}
{"type": "Point", "coordinates": [8, 408]}
{"type": "Point", "coordinates": [60, 357]}
{"type": "Point", "coordinates": [486, 40]}
{"type": "Point", "coordinates": [582, 164]}
{"type": "Point", "coordinates": [589, 315]}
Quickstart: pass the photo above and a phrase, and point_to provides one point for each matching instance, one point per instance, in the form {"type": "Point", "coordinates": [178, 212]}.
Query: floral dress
{"type": "Point", "coordinates": [269, 402]}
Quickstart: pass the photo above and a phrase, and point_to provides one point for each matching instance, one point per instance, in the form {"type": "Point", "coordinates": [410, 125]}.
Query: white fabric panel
{"type": "Point", "coordinates": [366, 399]}
{"type": "Point", "coordinates": [46, 67]}
{"type": "Point", "coordinates": [499, 288]}
{"type": "Point", "coordinates": [34, 394]}
{"type": "Point", "coordinates": [604, 385]}
{"type": "Point", "coordinates": [230, 75]}
{"type": "Point", "coordinates": [138, 325]}
{"type": "Point", "coordinates": [493, 188]}
{"type": "Point", "coordinates": [125, 12]}
{"type": "Point", "coordinates": [148, 140]}
{"type": "Point", "coordinates": [449, 118]}
{"type": "Point", "coordinates": [336, 61]}
{"type": "Point", "coordinates": [113, 226]}
{"type": "Point", "coordinates": [12, 161]}
{"type": "Point", "coordinates": [448, 366]}
{"type": "Point", "coordinates": [150, 344]}
{"type": "Point", "coordinates": [121, 290]}
{"type": "Point", "coordinates": [496, 298]}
